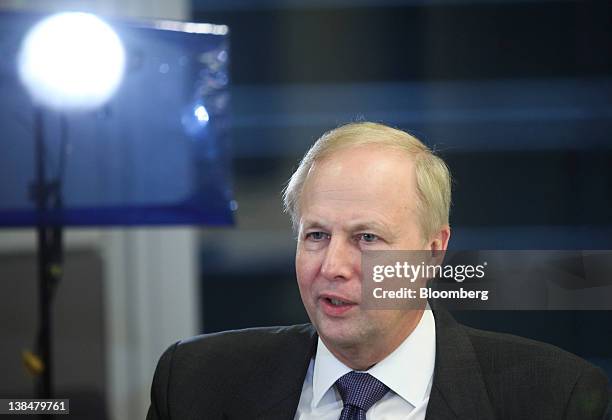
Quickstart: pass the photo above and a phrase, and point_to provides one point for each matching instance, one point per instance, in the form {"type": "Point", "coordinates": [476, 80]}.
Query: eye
{"type": "Point", "coordinates": [368, 237]}
{"type": "Point", "coordinates": [316, 236]}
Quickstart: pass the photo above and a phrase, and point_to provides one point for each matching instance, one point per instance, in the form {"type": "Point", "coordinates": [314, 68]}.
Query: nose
{"type": "Point", "coordinates": [341, 260]}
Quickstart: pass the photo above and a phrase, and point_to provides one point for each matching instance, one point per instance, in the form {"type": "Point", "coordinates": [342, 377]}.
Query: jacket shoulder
{"type": "Point", "coordinates": [510, 350]}
{"type": "Point", "coordinates": [520, 372]}
{"type": "Point", "coordinates": [500, 353]}
{"type": "Point", "coordinates": [251, 342]}
{"type": "Point", "coordinates": [210, 370]}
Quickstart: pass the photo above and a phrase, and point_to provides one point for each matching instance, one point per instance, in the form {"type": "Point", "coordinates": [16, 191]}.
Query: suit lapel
{"type": "Point", "coordinates": [458, 390]}
{"type": "Point", "coordinates": [438, 408]}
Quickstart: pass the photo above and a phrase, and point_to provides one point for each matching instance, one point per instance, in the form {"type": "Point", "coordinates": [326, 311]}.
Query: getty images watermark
{"type": "Point", "coordinates": [401, 279]}
{"type": "Point", "coordinates": [505, 280]}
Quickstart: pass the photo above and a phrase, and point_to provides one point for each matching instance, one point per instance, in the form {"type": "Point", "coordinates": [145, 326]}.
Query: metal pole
{"type": "Point", "coordinates": [44, 274]}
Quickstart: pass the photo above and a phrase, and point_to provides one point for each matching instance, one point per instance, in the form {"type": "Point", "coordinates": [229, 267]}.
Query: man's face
{"type": "Point", "coordinates": [358, 199]}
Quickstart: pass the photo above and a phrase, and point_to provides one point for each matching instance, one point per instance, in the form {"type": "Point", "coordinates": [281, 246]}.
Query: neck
{"type": "Point", "coordinates": [362, 356]}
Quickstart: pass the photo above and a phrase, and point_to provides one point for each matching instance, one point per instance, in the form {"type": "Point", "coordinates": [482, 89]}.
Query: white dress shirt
{"type": "Point", "coordinates": [407, 371]}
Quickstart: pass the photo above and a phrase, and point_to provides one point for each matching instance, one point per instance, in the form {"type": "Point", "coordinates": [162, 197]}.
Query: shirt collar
{"type": "Point", "coordinates": [407, 371]}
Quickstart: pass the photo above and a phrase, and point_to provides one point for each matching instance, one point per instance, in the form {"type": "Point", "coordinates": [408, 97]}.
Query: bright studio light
{"type": "Point", "coordinates": [71, 61]}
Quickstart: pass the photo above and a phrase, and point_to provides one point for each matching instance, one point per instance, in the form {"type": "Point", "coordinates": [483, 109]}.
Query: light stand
{"type": "Point", "coordinates": [68, 62]}
{"type": "Point", "coordinates": [47, 196]}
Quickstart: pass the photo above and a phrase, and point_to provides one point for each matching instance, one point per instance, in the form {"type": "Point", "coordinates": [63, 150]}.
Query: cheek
{"type": "Point", "coordinates": [307, 266]}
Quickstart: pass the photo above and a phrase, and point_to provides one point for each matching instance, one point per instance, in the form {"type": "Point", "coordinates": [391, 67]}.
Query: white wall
{"type": "Point", "coordinates": [162, 9]}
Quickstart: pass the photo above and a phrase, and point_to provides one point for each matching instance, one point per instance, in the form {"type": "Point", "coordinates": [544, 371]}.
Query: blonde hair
{"type": "Point", "coordinates": [432, 175]}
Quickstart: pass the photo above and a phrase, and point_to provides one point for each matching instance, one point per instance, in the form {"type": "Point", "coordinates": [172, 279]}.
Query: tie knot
{"type": "Point", "coordinates": [361, 390]}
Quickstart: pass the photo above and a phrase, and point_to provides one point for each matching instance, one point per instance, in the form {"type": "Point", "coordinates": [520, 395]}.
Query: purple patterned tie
{"type": "Point", "coordinates": [359, 392]}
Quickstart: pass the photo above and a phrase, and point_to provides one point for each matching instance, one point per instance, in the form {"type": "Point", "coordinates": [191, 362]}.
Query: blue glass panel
{"type": "Point", "coordinates": [156, 153]}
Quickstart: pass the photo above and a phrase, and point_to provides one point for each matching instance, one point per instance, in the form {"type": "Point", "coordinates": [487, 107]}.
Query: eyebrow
{"type": "Point", "coordinates": [358, 226]}
{"type": "Point", "coordinates": [313, 224]}
{"type": "Point", "coordinates": [373, 225]}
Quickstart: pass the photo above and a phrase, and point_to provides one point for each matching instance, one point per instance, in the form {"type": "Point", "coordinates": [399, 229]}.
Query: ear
{"type": "Point", "coordinates": [439, 241]}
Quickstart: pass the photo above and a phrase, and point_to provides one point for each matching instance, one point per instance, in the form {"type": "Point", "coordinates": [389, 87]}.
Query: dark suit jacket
{"type": "Point", "coordinates": [258, 374]}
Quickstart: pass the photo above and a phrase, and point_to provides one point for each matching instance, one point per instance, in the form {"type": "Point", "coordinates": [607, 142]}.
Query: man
{"type": "Point", "coordinates": [365, 186]}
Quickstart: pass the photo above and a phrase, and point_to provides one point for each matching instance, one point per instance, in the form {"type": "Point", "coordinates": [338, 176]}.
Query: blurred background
{"type": "Point", "coordinates": [515, 95]}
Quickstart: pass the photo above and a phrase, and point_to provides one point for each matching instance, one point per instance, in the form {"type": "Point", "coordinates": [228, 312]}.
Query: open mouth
{"type": "Point", "coordinates": [337, 302]}
{"type": "Point", "coordinates": [335, 307]}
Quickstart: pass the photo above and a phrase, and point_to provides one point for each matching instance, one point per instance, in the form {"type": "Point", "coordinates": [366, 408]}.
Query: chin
{"type": "Point", "coordinates": [339, 335]}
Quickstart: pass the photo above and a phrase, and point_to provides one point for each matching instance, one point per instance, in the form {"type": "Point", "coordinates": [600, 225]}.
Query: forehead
{"type": "Point", "coordinates": [370, 181]}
